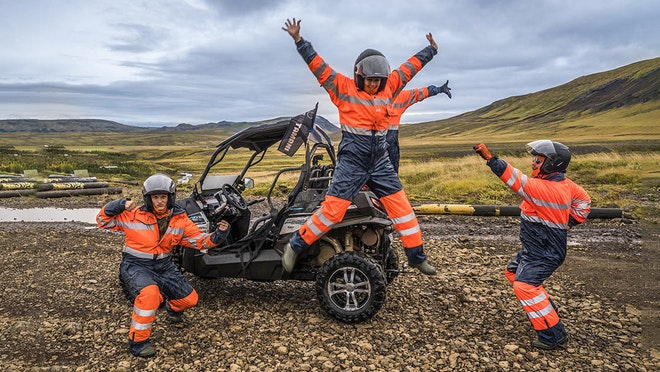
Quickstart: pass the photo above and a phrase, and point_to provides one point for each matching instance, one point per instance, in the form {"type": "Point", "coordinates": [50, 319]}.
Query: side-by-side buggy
{"type": "Point", "coordinates": [352, 264]}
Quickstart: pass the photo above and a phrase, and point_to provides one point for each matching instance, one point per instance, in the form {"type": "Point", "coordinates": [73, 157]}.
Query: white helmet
{"type": "Point", "coordinates": [159, 184]}
{"type": "Point", "coordinates": [371, 64]}
{"type": "Point", "coordinates": [556, 154]}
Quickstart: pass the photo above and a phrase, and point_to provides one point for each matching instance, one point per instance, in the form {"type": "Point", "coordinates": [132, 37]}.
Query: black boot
{"type": "Point", "coordinates": [142, 349]}
{"type": "Point", "coordinates": [173, 316]}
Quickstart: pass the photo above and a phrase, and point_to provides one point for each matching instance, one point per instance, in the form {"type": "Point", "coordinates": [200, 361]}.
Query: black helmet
{"type": "Point", "coordinates": [557, 156]}
{"type": "Point", "coordinates": [371, 64]}
{"type": "Point", "coordinates": [158, 184]}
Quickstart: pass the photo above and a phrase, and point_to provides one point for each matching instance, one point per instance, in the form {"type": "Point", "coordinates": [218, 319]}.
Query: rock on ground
{"type": "Point", "coordinates": [61, 308]}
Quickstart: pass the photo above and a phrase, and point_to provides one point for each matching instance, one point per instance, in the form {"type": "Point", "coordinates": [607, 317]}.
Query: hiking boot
{"type": "Point", "coordinates": [173, 316]}
{"type": "Point", "coordinates": [147, 352]}
{"type": "Point", "coordinates": [289, 258]}
{"type": "Point", "coordinates": [542, 345]}
{"type": "Point", "coordinates": [142, 349]}
{"type": "Point", "coordinates": [425, 267]}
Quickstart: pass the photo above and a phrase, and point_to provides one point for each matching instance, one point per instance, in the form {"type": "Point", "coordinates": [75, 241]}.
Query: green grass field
{"type": "Point", "coordinates": [615, 173]}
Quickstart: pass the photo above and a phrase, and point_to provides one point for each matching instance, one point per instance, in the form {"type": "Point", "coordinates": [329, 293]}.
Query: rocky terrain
{"type": "Point", "coordinates": [61, 307]}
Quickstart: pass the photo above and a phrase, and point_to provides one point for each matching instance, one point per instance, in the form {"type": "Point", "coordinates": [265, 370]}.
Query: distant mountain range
{"type": "Point", "coordinates": [588, 105]}
{"type": "Point", "coordinates": [95, 125]}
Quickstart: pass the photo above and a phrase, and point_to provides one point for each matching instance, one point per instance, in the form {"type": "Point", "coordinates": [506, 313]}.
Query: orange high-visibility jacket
{"type": "Point", "coordinates": [141, 229]}
{"type": "Point", "coordinates": [551, 202]}
{"type": "Point", "coordinates": [404, 100]}
{"type": "Point", "coordinates": [361, 112]}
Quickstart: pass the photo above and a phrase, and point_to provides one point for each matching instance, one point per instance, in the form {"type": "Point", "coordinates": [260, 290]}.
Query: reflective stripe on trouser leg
{"type": "Point", "coordinates": [405, 222]}
{"type": "Point", "coordinates": [510, 276]}
{"type": "Point", "coordinates": [536, 303]}
{"type": "Point", "coordinates": [320, 222]}
{"type": "Point", "coordinates": [144, 313]}
{"type": "Point", "coordinates": [187, 302]}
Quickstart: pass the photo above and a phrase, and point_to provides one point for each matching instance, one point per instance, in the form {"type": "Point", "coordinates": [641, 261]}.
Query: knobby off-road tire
{"type": "Point", "coordinates": [351, 287]}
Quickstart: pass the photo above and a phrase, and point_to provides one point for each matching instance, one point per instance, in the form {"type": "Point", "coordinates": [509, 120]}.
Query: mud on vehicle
{"type": "Point", "coordinates": [352, 264]}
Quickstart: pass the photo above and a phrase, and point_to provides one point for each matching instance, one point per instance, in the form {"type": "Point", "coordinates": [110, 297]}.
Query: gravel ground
{"type": "Point", "coordinates": [61, 308]}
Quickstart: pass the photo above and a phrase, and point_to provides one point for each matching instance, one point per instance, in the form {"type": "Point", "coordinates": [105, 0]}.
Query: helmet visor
{"type": "Point", "coordinates": [374, 67]}
{"type": "Point", "coordinates": [541, 147]}
{"type": "Point", "coordinates": [158, 184]}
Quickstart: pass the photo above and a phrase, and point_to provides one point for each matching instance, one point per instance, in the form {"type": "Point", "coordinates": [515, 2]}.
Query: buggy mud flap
{"type": "Point", "coordinates": [361, 220]}
{"type": "Point", "coordinates": [267, 266]}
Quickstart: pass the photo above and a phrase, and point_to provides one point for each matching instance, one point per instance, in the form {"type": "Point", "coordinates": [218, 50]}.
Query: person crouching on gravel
{"type": "Point", "coordinates": [146, 269]}
{"type": "Point", "coordinates": [551, 205]}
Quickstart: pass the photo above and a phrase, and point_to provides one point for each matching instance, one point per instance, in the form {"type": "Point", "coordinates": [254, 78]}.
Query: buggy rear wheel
{"type": "Point", "coordinates": [351, 287]}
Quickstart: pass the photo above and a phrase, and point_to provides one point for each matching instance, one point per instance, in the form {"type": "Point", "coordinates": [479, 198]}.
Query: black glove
{"type": "Point", "coordinates": [433, 90]}
{"type": "Point", "coordinates": [220, 236]}
{"type": "Point", "coordinates": [445, 89]}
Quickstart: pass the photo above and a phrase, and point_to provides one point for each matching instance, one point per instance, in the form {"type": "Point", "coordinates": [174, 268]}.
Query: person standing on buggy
{"type": "Point", "coordinates": [146, 268]}
{"type": "Point", "coordinates": [551, 205]}
{"type": "Point", "coordinates": [364, 103]}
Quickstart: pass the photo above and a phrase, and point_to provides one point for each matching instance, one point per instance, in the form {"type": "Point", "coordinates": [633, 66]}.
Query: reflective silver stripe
{"type": "Point", "coordinates": [362, 131]}
{"type": "Point", "coordinates": [205, 245]}
{"type": "Point", "coordinates": [140, 312]}
{"type": "Point", "coordinates": [541, 313]}
{"type": "Point", "coordinates": [315, 230]}
{"type": "Point", "coordinates": [543, 222]}
{"type": "Point", "coordinates": [410, 231]}
{"type": "Point", "coordinates": [550, 205]}
{"type": "Point", "coordinates": [140, 326]}
{"type": "Point", "coordinates": [135, 225]}
{"type": "Point", "coordinates": [393, 127]}
{"type": "Point", "coordinates": [404, 81]}
{"type": "Point", "coordinates": [174, 231]}
{"type": "Point", "coordinates": [110, 223]}
{"type": "Point", "coordinates": [322, 67]}
{"type": "Point", "coordinates": [324, 219]}
{"type": "Point", "coordinates": [404, 219]}
{"type": "Point", "coordinates": [193, 240]}
{"type": "Point", "coordinates": [512, 177]}
{"type": "Point", "coordinates": [581, 208]}
{"type": "Point", "coordinates": [411, 68]}
{"type": "Point", "coordinates": [365, 102]}
{"type": "Point", "coordinates": [541, 296]}
{"type": "Point", "coordinates": [416, 96]}
{"type": "Point", "coordinates": [140, 254]}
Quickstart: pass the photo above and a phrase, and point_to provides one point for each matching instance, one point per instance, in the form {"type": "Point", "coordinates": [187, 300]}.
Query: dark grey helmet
{"type": "Point", "coordinates": [371, 64]}
{"type": "Point", "coordinates": [158, 184]}
{"type": "Point", "coordinates": [557, 156]}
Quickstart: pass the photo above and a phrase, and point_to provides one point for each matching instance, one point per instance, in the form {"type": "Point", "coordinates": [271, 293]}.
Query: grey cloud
{"type": "Point", "coordinates": [136, 38]}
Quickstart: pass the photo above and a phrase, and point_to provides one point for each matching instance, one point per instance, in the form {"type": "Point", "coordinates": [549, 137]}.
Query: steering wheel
{"type": "Point", "coordinates": [232, 198]}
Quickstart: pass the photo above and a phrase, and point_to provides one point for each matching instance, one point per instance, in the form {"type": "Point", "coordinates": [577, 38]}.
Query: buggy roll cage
{"type": "Point", "coordinates": [259, 139]}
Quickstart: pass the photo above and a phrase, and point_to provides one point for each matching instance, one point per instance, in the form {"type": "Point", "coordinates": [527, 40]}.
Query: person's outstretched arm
{"type": "Point", "coordinates": [293, 28]}
{"type": "Point", "coordinates": [407, 70]}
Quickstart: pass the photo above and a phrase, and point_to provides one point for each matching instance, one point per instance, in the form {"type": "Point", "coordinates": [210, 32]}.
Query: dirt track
{"type": "Point", "coordinates": [61, 307]}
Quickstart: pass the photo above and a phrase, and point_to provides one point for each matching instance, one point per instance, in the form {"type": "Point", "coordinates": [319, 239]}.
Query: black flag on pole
{"type": "Point", "coordinates": [299, 128]}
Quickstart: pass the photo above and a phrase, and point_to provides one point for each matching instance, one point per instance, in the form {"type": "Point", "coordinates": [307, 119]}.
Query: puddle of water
{"type": "Point", "coordinates": [87, 215]}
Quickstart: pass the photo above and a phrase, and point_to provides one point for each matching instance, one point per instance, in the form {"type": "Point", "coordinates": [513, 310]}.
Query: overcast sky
{"type": "Point", "coordinates": [165, 62]}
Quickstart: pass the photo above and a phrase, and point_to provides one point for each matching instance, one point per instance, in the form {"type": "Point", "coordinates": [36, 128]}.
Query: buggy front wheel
{"type": "Point", "coordinates": [351, 287]}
